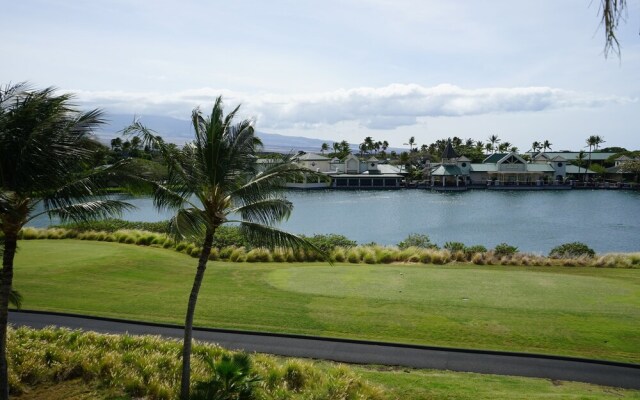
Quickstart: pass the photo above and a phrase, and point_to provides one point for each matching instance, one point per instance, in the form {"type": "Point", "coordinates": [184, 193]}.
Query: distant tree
{"type": "Point", "coordinates": [324, 147]}
{"type": "Point", "coordinates": [411, 143]}
{"type": "Point", "coordinates": [535, 147]}
{"type": "Point", "coordinates": [488, 147]}
{"type": "Point", "coordinates": [504, 147]}
{"type": "Point", "coordinates": [593, 142]}
{"type": "Point", "coordinates": [494, 140]}
{"type": "Point", "coordinates": [116, 144]}
{"type": "Point", "coordinates": [546, 145]}
{"type": "Point", "coordinates": [580, 162]}
{"type": "Point", "coordinates": [632, 167]}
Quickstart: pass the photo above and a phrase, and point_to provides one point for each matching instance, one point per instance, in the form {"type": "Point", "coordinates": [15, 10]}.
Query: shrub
{"type": "Point", "coordinates": [330, 241]}
{"type": "Point", "coordinates": [454, 246]}
{"type": "Point", "coordinates": [571, 250]}
{"type": "Point", "coordinates": [471, 250]}
{"type": "Point", "coordinates": [504, 249]}
{"type": "Point", "coordinates": [417, 240]}
{"type": "Point", "coordinates": [226, 236]}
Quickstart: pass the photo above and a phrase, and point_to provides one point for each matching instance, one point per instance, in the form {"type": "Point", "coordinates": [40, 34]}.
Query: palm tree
{"type": "Point", "coordinates": [219, 169]}
{"type": "Point", "coordinates": [488, 147]}
{"type": "Point", "coordinates": [580, 162]}
{"type": "Point", "coordinates": [546, 145]}
{"type": "Point", "coordinates": [494, 140]}
{"type": "Point", "coordinates": [324, 147]}
{"type": "Point", "coordinates": [411, 143]}
{"type": "Point", "coordinates": [43, 143]}
{"type": "Point", "coordinates": [592, 142]}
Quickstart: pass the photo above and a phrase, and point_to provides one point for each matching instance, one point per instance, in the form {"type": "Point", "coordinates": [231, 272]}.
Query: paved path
{"type": "Point", "coordinates": [363, 352]}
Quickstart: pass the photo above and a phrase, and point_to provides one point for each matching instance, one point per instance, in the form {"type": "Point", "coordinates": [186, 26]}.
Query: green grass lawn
{"type": "Point", "coordinates": [583, 312]}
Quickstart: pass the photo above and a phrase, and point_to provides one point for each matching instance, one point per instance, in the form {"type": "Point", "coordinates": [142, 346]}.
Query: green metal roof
{"type": "Point", "coordinates": [494, 158]}
{"type": "Point", "coordinates": [447, 170]}
{"type": "Point", "coordinates": [573, 155]}
{"type": "Point", "coordinates": [574, 169]}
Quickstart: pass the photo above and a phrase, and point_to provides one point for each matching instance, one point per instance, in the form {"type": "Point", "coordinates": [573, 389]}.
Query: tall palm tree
{"type": "Point", "coordinates": [324, 147]}
{"type": "Point", "coordinates": [592, 142]}
{"type": "Point", "coordinates": [215, 180]}
{"type": "Point", "coordinates": [546, 145]}
{"type": "Point", "coordinates": [44, 142]}
{"type": "Point", "coordinates": [494, 140]}
{"type": "Point", "coordinates": [580, 162]}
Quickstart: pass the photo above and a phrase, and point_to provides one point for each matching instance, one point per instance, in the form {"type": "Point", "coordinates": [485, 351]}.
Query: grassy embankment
{"type": "Point", "coordinates": [584, 312]}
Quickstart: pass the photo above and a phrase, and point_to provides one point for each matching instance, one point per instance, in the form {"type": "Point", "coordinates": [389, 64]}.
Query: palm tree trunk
{"type": "Point", "coordinates": [188, 323]}
{"type": "Point", "coordinates": [10, 244]}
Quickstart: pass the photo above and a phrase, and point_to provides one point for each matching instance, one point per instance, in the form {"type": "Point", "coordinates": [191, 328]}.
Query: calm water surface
{"type": "Point", "coordinates": [534, 221]}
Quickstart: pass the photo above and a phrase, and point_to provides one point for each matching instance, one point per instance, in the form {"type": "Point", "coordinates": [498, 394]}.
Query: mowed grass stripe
{"type": "Point", "coordinates": [584, 312]}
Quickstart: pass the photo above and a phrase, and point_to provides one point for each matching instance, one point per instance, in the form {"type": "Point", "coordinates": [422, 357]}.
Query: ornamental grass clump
{"type": "Point", "coordinates": [353, 255]}
{"type": "Point", "coordinates": [338, 254]}
{"type": "Point", "coordinates": [260, 254]}
{"type": "Point", "coordinates": [385, 254]}
{"type": "Point", "coordinates": [238, 254]}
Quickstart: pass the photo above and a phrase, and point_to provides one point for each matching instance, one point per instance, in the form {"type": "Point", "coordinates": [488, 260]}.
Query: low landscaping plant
{"type": "Point", "coordinates": [504, 249]}
{"type": "Point", "coordinates": [417, 240]}
{"type": "Point", "coordinates": [149, 367]}
{"type": "Point", "coordinates": [330, 241]}
{"type": "Point", "coordinates": [571, 250]}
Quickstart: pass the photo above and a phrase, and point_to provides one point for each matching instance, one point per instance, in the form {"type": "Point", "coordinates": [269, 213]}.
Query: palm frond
{"type": "Point", "coordinates": [267, 211]}
{"type": "Point", "coordinates": [189, 223]}
{"type": "Point", "coordinates": [267, 236]}
{"type": "Point", "coordinates": [87, 211]}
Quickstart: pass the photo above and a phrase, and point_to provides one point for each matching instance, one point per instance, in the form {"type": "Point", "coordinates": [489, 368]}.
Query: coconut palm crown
{"type": "Point", "coordinates": [45, 150]}
{"type": "Point", "coordinates": [214, 180]}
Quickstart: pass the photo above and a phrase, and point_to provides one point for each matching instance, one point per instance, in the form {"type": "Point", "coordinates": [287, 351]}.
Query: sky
{"type": "Point", "coordinates": [529, 70]}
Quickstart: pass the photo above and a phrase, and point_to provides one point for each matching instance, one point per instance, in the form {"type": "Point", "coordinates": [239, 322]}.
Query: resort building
{"type": "Point", "coordinates": [349, 173]}
{"type": "Point", "coordinates": [502, 170]}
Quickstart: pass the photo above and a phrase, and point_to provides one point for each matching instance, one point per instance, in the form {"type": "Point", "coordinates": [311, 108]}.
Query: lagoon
{"type": "Point", "coordinates": [534, 221]}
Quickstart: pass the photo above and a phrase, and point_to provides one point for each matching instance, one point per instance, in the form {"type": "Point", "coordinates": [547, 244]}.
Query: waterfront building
{"type": "Point", "coordinates": [503, 170]}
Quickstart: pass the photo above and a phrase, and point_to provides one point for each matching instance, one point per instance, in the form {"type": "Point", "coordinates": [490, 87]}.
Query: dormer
{"type": "Point", "coordinates": [351, 164]}
{"type": "Point", "coordinates": [372, 165]}
{"type": "Point", "coordinates": [559, 165]}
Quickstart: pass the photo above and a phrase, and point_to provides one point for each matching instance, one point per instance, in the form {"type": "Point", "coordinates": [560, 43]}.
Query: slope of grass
{"type": "Point", "coordinates": [583, 312]}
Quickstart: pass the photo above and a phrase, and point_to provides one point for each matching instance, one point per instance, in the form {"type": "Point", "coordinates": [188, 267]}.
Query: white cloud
{"type": "Point", "coordinates": [384, 108]}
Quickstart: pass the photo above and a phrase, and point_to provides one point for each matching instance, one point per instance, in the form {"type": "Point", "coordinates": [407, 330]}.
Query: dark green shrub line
{"type": "Point", "coordinates": [149, 367]}
{"type": "Point", "coordinates": [453, 252]}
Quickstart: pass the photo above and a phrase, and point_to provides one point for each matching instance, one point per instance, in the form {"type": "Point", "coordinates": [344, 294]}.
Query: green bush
{"type": "Point", "coordinates": [329, 242]}
{"type": "Point", "coordinates": [417, 240]}
{"type": "Point", "coordinates": [471, 250]}
{"type": "Point", "coordinates": [571, 250]}
{"type": "Point", "coordinates": [504, 249]}
{"type": "Point", "coordinates": [454, 246]}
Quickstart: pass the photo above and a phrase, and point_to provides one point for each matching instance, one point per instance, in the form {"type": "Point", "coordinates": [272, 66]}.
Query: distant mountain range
{"type": "Point", "coordinates": [179, 131]}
